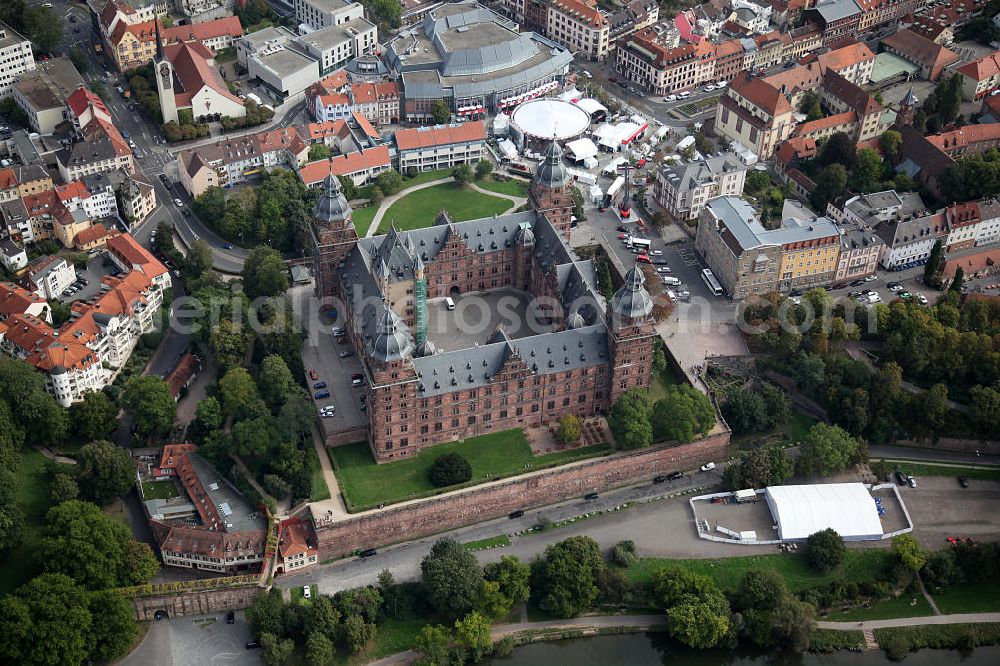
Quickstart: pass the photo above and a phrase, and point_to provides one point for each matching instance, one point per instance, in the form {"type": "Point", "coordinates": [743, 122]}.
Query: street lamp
{"type": "Point", "coordinates": [974, 461]}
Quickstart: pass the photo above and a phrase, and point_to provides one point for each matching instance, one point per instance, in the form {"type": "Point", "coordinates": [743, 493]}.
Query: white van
{"type": "Point", "coordinates": [684, 95]}
{"type": "Point", "coordinates": [448, 303]}
{"type": "Point", "coordinates": [671, 281]}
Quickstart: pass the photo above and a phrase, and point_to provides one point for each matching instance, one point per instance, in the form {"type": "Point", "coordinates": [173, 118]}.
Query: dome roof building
{"type": "Point", "coordinates": [632, 300]}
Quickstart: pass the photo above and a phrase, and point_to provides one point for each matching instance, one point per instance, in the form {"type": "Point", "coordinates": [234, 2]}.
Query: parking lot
{"type": "Point", "coordinates": [98, 266]}
{"type": "Point", "coordinates": [202, 639]}
{"type": "Point", "coordinates": [941, 508]}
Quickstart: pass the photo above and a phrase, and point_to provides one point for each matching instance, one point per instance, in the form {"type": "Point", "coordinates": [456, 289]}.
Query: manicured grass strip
{"type": "Point", "coordinates": [883, 610]}
{"type": "Point", "coordinates": [512, 187]}
{"type": "Point", "coordinates": [858, 565]}
{"type": "Point", "coordinates": [974, 597]}
{"type": "Point", "coordinates": [419, 209]}
{"type": "Point", "coordinates": [897, 641]}
{"type": "Point", "coordinates": [492, 542]}
{"type": "Point", "coordinates": [319, 490]}
{"type": "Point", "coordinates": [393, 636]}
{"type": "Point", "coordinates": [159, 490]}
{"type": "Point", "coordinates": [831, 640]}
{"type": "Point", "coordinates": [363, 219]}
{"type": "Point", "coordinates": [497, 455]}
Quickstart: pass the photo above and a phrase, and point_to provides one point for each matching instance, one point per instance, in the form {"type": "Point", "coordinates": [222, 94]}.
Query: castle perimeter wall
{"type": "Point", "coordinates": [194, 602]}
{"type": "Point", "coordinates": [434, 515]}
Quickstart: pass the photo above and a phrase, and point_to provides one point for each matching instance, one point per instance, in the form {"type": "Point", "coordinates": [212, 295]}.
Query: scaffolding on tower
{"type": "Point", "coordinates": [625, 207]}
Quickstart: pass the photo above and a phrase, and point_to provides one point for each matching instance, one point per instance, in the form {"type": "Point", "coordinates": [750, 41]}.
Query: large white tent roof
{"type": "Point", "coordinates": [582, 149]}
{"type": "Point", "coordinates": [591, 105]}
{"type": "Point", "coordinates": [550, 119]}
{"type": "Point", "coordinates": [848, 508]}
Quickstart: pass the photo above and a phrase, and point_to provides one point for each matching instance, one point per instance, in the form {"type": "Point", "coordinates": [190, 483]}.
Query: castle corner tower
{"type": "Point", "coordinates": [334, 235]}
{"type": "Point", "coordinates": [550, 190]}
{"type": "Point", "coordinates": [631, 335]}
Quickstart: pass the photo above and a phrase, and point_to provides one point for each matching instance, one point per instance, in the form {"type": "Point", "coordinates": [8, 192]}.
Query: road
{"type": "Point", "coordinates": [930, 455]}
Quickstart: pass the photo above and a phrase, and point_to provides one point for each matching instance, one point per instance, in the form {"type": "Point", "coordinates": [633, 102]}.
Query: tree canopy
{"type": "Point", "coordinates": [452, 578]}
{"type": "Point", "coordinates": [683, 413]}
{"type": "Point", "coordinates": [629, 420]}
{"type": "Point", "coordinates": [148, 400]}
{"type": "Point", "coordinates": [105, 471]}
{"type": "Point", "coordinates": [565, 580]}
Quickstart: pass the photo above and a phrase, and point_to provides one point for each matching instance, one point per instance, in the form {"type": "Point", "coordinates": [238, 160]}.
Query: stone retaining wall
{"type": "Point", "coordinates": [534, 490]}
{"type": "Point", "coordinates": [181, 603]}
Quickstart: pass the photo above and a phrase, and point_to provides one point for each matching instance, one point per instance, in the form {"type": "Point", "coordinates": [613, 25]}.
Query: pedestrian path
{"type": "Point", "coordinates": [333, 508]}
{"type": "Point", "coordinates": [959, 618]}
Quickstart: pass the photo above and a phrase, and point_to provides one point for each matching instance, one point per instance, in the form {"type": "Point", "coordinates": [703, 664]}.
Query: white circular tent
{"type": "Point", "coordinates": [848, 508]}
{"type": "Point", "coordinates": [550, 119]}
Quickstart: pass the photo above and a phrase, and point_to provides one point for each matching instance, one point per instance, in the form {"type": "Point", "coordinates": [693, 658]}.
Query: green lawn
{"type": "Point", "coordinates": [512, 187]}
{"type": "Point", "coordinates": [363, 219]}
{"type": "Point", "coordinates": [902, 606]}
{"type": "Point", "coordinates": [975, 597]}
{"type": "Point", "coordinates": [32, 495]}
{"type": "Point", "coordinates": [798, 426]}
{"type": "Point", "coordinates": [159, 490]}
{"type": "Point", "coordinates": [491, 542]}
{"type": "Point", "coordinates": [393, 636]}
{"type": "Point", "coordinates": [660, 382]}
{"type": "Point", "coordinates": [319, 490]}
{"type": "Point", "coordinates": [365, 484]}
{"type": "Point", "coordinates": [419, 209]}
{"type": "Point", "coordinates": [858, 565]}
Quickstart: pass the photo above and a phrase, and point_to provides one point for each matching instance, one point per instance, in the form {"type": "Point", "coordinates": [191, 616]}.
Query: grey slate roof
{"type": "Point", "coordinates": [632, 300]}
{"type": "Point", "coordinates": [551, 171]}
{"type": "Point", "coordinates": [332, 206]}
{"type": "Point", "coordinates": [686, 176]}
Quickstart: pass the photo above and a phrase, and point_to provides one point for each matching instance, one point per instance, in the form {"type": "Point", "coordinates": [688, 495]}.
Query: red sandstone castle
{"type": "Point", "coordinates": [585, 356]}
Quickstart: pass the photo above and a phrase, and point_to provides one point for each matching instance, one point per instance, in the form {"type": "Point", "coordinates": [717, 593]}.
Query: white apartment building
{"type": "Point", "coordinates": [989, 225]}
{"type": "Point", "coordinates": [683, 190]}
{"type": "Point", "coordinates": [442, 146]}
{"type": "Point", "coordinates": [50, 276]}
{"type": "Point", "coordinates": [911, 238]}
{"type": "Point", "coordinates": [15, 58]}
{"type": "Point", "coordinates": [579, 27]}
{"type": "Point", "coordinates": [336, 44]}
{"type": "Point", "coordinates": [318, 14]}
{"type": "Point", "coordinates": [12, 255]}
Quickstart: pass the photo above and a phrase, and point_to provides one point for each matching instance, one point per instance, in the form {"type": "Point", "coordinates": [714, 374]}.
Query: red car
{"type": "Point", "coordinates": [622, 236]}
{"type": "Point", "coordinates": [640, 164]}
{"type": "Point", "coordinates": [313, 374]}
{"type": "Point", "coordinates": [644, 259]}
{"type": "Point", "coordinates": [639, 222]}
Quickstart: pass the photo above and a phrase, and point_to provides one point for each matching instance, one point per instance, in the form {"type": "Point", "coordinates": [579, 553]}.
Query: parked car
{"type": "Point", "coordinates": [230, 617]}
{"type": "Point", "coordinates": [673, 476]}
{"type": "Point", "coordinates": [356, 382]}
{"type": "Point", "coordinates": [346, 353]}
{"type": "Point", "coordinates": [178, 203]}
{"type": "Point", "coordinates": [921, 299]}
{"type": "Point", "coordinates": [659, 479]}
{"type": "Point", "coordinates": [313, 374]}
{"type": "Point", "coordinates": [663, 269]}
{"type": "Point", "coordinates": [644, 259]}
{"type": "Point", "coordinates": [657, 253]}
{"type": "Point", "coordinates": [368, 552]}
{"type": "Point", "coordinates": [911, 481]}
{"type": "Point", "coordinates": [319, 385]}
{"type": "Point", "coordinates": [708, 467]}
{"type": "Point", "coordinates": [670, 98]}
{"type": "Point", "coordinates": [252, 645]}
{"type": "Point", "coordinates": [591, 496]}
{"type": "Point", "coordinates": [306, 592]}
{"type": "Point", "coordinates": [515, 514]}
{"type": "Point", "coordinates": [319, 395]}
{"type": "Point", "coordinates": [227, 246]}
{"type": "Point", "coordinates": [900, 478]}
{"type": "Point", "coordinates": [964, 482]}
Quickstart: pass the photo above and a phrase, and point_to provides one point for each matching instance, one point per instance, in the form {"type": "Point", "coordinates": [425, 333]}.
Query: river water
{"type": "Point", "coordinates": [657, 649]}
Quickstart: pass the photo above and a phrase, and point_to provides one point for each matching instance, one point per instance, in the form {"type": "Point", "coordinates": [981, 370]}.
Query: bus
{"type": "Point", "coordinates": [711, 282]}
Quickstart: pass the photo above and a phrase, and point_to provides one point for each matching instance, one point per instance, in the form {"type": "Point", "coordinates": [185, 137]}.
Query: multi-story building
{"type": "Point", "coordinates": [840, 95]}
{"type": "Point", "coordinates": [129, 255]}
{"type": "Point", "coordinates": [585, 357]}
{"type": "Point", "coordinates": [15, 58]}
{"type": "Point", "coordinates": [186, 79]}
{"type": "Point", "coordinates": [213, 35]}
{"type": "Point", "coordinates": [634, 16]}
{"type": "Point", "coordinates": [214, 528]}
{"type": "Point", "coordinates": [42, 93]}
{"type": "Point", "coordinates": [24, 180]}
{"type": "Point", "coordinates": [968, 140]}
{"type": "Point", "coordinates": [378, 102]}
{"type": "Point", "coordinates": [275, 57]}
{"type": "Point", "coordinates": [474, 60]}
{"type": "Point", "coordinates": [16, 221]}
{"type": "Point", "coordinates": [980, 77]}
{"type": "Point", "coordinates": [910, 237]}
{"type": "Point", "coordinates": [963, 224]}
{"type": "Point", "coordinates": [440, 147]}
{"type": "Point", "coordinates": [50, 276]}
{"type": "Point", "coordinates": [12, 256]}
{"type": "Point", "coordinates": [95, 196]}
{"type": "Point", "coordinates": [16, 300]}
{"type": "Point", "coordinates": [854, 62]}
{"type": "Point", "coordinates": [580, 27]}
{"type": "Point", "coordinates": [860, 249]}
{"type": "Point", "coordinates": [334, 45]}
{"type": "Point", "coordinates": [319, 14]}
{"type": "Point", "coordinates": [361, 166]}
{"type": "Point", "coordinates": [931, 57]}
{"type": "Point", "coordinates": [754, 114]}
{"type": "Point", "coordinates": [683, 190]}
{"type": "Point", "coordinates": [660, 70]}
{"type": "Point", "coordinates": [749, 259]}
{"type": "Point", "coordinates": [138, 197]}
{"type": "Point", "coordinates": [297, 545]}
{"type": "Point", "coordinates": [836, 18]}
{"type": "Point", "coordinates": [989, 225]}
{"type": "Point", "coordinates": [102, 148]}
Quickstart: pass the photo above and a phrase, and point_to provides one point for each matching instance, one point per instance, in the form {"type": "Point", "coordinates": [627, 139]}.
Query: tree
{"type": "Point", "coordinates": [389, 181]}
{"type": "Point", "coordinates": [452, 577]}
{"type": "Point", "coordinates": [867, 170]}
{"type": "Point", "coordinates": [672, 584]}
{"type": "Point", "coordinates": [106, 472]}
{"type": "Point", "coordinates": [473, 633]}
{"type": "Point", "coordinates": [149, 401]}
{"type": "Point", "coordinates": [433, 642]}
{"type": "Point", "coordinates": [957, 281]}
{"type": "Point", "coordinates": [745, 411]}
{"type": "Point", "coordinates": [934, 261]}
{"type": "Point", "coordinates": [46, 621]}
{"type": "Point", "coordinates": [570, 429]}
{"type": "Point", "coordinates": [483, 169]}
{"type": "Point", "coordinates": [238, 391]}
{"type": "Point", "coordinates": [79, 60]}
{"type": "Point", "coordinates": [93, 417]}
{"type": "Point", "coordinates": [760, 467]}
{"type": "Point", "coordinates": [907, 549]}
{"type": "Point", "coordinates": [209, 205]}
{"type": "Point", "coordinates": [318, 151]}
{"type": "Point", "coordinates": [348, 188]}
{"type": "Point", "coordinates": [830, 183]}
{"type": "Point", "coordinates": [377, 197]}
{"type": "Point", "coordinates": [440, 112]}
{"type": "Point", "coordinates": [629, 420]}
{"type": "Point", "coordinates": [512, 580]}
{"type": "Point", "coordinates": [827, 449]}
{"type": "Point", "coordinates": [209, 414]}
{"type": "Point", "coordinates": [700, 622]}
{"type": "Point", "coordinates": [264, 614]}
{"type": "Point", "coordinates": [810, 372]}
{"type": "Point", "coordinates": [275, 380]}
{"type": "Point", "coordinates": [358, 633]}
{"type": "Point", "coordinates": [462, 173]}
{"type": "Point", "coordinates": [659, 358]}
{"type": "Point", "coordinates": [838, 149]}
{"type": "Point", "coordinates": [809, 105]}
{"type": "Point", "coordinates": [319, 650]}
{"type": "Point", "coordinates": [683, 413]}
{"type": "Point", "coordinates": [264, 273]}
{"type": "Point", "coordinates": [756, 181]}
{"type": "Point", "coordinates": [23, 390]}
{"type": "Point", "coordinates": [761, 590]}
{"type": "Point", "coordinates": [449, 469]}
{"type": "Point", "coordinates": [565, 580]}
{"type": "Point", "coordinates": [985, 403]}
{"type": "Point", "coordinates": [229, 341]}
{"type": "Point", "coordinates": [63, 489]}
{"type": "Point", "coordinates": [11, 527]}
{"type": "Point", "coordinates": [113, 625]}
{"type": "Point", "coordinates": [825, 550]}
{"type": "Point", "coordinates": [199, 259]}
{"type": "Point", "coordinates": [60, 313]}
{"type": "Point", "coordinates": [274, 651]}
{"type": "Point", "coordinates": [45, 27]}
{"type": "Point", "coordinates": [890, 142]}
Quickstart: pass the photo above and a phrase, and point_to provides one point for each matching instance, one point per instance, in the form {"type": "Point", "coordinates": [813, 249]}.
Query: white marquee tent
{"type": "Point", "coordinates": [582, 149]}
{"type": "Point", "coordinates": [848, 508]}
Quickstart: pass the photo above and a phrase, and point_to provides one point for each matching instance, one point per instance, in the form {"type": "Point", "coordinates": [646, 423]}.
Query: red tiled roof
{"type": "Point", "coordinates": [335, 99]}
{"type": "Point", "coordinates": [584, 13]}
{"type": "Point", "coordinates": [81, 98]}
{"type": "Point", "coordinates": [134, 254]}
{"type": "Point", "coordinates": [984, 68]}
{"type": "Point", "coordinates": [971, 264]}
{"type": "Point", "coordinates": [182, 374]}
{"type": "Point", "coordinates": [144, 31]}
{"type": "Point", "coordinates": [190, 61]}
{"type": "Point", "coordinates": [965, 136]}
{"type": "Point", "coordinates": [440, 135]}
{"type": "Point", "coordinates": [822, 124]}
{"type": "Point", "coordinates": [365, 125]}
{"type": "Point", "coordinates": [228, 25]}
{"type": "Point", "coordinates": [371, 92]}
{"type": "Point", "coordinates": [920, 49]}
{"type": "Point", "coordinates": [8, 179]}
{"type": "Point", "coordinates": [17, 300]}
{"type": "Point", "coordinates": [341, 165]}
{"type": "Point", "coordinates": [73, 190]}
{"type": "Point", "coordinates": [845, 57]}
{"type": "Point", "coordinates": [91, 235]}
{"type": "Point", "coordinates": [296, 537]}
{"type": "Point", "coordinates": [761, 94]}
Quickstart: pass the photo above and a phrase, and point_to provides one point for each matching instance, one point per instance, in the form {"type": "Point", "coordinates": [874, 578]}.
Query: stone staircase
{"type": "Point", "coordinates": [870, 642]}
